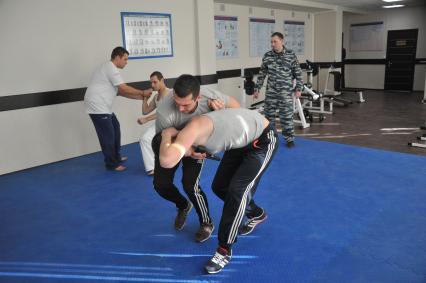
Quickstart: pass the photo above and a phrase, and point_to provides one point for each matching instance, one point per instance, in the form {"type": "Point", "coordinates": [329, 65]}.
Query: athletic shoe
{"type": "Point", "coordinates": [220, 259]}
{"type": "Point", "coordinates": [181, 216]}
{"type": "Point", "coordinates": [251, 223]}
{"type": "Point", "coordinates": [205, 231]}
{"type": "Point", "coordinates": [290, 144]}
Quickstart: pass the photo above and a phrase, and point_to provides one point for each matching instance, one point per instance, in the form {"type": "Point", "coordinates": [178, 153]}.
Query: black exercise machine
{"type": "Point", "coordinates": [338, 90]}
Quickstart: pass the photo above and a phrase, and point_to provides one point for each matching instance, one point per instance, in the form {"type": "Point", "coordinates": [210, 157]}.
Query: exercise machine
{"type": "Point", "coordinates": [338, 90]}
{"type": "Point", "coordinates": [300, 109]}
{"type": "Point", "coordinates": [248, 86]}
{"type": "Point", "coordinates": [314, 102]}
{"type": "Point", "coordinates": [420, 138]}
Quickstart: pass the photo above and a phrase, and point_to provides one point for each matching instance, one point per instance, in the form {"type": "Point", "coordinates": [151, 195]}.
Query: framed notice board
{"type": "Point", "coordinates": [147, 35]}
{"type": "Point", "coordinates": [367, 36]}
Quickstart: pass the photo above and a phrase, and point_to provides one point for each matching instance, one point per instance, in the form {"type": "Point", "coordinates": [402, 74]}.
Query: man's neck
{"type": "Point", "coordinates": [114, 63]}
{"type": "Point", "coordinates": [279, 51]}
{"type": "Point", "coordinates": [163, 90]}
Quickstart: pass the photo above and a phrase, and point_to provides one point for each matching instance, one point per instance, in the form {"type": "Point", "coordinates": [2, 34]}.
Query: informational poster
{"type": "Point", "coordinates": [260, 36]}
{"type": "Point", "coordinates": [226, 34]}
{"type": "Point", "coordinates": [294, 36]}
{"type": "Point", "coordinates": [147, 35]}
{"type": "Point", "coordinates": [367, 36]}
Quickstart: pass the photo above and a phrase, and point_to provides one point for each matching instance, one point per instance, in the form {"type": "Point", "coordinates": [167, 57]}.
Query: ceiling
{"type": "Point", "coordinates": [356, 6]}
{"type": "Point", "coordinates": [369, 4]}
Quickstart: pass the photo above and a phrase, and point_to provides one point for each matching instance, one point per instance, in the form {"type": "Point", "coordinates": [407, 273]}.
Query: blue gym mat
{"type": "Point", "coordinates": [337, 213]}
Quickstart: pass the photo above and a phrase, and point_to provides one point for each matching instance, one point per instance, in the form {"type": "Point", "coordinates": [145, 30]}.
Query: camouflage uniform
{"type": "Point", "coordinates": [281, 68]}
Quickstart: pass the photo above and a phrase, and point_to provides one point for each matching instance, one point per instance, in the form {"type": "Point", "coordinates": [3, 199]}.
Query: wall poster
{"type": "Point", "coordinates": [367, 36]}
{"type": "Point", "coordinates": [226, 35]}
{"type": "Point", "coordinates": [147, 35]}
{"type": "Point", "coordinates": [294, 36]}
{"type": "Point", "coordinates": [260, 36]}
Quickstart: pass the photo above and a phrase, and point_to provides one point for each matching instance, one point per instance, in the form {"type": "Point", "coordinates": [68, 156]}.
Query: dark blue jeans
{"type": "Point", "coordinates": [109, 135]}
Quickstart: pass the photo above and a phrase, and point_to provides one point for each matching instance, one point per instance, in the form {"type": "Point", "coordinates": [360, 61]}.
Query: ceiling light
{"type": "Point", "coordinates": [391, 1]}
{"type": "Point", "coordinates": [393, 6]}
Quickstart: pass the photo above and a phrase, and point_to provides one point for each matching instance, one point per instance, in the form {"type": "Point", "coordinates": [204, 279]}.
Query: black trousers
{"type": "Point", "coordinates": [109, 135]}
{"type": "Point", "coordinates": [191, 171]}
{"type": "Point", "coordinates": [236, 182]}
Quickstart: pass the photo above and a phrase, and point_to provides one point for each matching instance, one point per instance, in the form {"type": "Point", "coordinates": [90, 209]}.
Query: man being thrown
{"type": "Point", "coordinates": [249, 142]}
{"type": "Point", "coordinates": [175, 110]}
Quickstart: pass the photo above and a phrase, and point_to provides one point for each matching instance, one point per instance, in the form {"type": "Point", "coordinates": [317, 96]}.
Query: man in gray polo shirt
{"type": "Point", "coordinates": [186, 101]}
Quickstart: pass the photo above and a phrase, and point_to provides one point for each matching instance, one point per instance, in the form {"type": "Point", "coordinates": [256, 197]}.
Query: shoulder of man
{"type": "Point", "coordinates": [210, 93]}
{"type": "Point", "coordinates": [269, 53]}
{"type": "Point", "coordinates": [163, 94]}
{"type": "Point", "coordinates": [109, 66]}
{"type": "Point", "coordinates": [292, 55]}
{"type": "Point", "coordinates": [288, 50]}
{"type": "Point", "coordinates": [166, 105]}
{"type": "Point", "coordinates": [207, 93]}
{"type": "Point", "coordinates": [166, 113]}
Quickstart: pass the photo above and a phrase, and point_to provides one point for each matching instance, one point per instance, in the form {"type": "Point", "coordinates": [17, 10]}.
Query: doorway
{"type": "Point", "coordinates": [400, 59]}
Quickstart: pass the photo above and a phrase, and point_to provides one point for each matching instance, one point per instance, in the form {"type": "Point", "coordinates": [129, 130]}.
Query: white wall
{"type": "Point", "coordinates": [325, 44]}
{"type": "Point", "coordinates": [230, 86]}
{"type": "Point", "coordinates": [55, 45]}
{"type": "Point", "coordinates": [393, 19]}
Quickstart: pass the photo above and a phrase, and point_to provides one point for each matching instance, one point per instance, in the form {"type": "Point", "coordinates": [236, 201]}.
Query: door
{"type": "Point", "coordinates": [400, 59]}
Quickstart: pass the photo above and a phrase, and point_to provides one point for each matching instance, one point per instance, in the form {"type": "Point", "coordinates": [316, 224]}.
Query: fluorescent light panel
{"type": "Point", "coordinates": [389, 1]}
{"type": "Point", "coordinates": [393, 6]}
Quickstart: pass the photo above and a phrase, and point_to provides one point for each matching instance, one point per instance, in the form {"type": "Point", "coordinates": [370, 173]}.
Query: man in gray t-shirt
{"type": "Point", "coordinates": [186, 101]}
{"type": "Point", "coordinates": [249, 142]}
{"type": "Point", "coordinates": [175, 111]}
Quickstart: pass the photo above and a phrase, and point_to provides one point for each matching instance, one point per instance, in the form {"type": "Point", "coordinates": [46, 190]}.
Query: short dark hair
{"type": "Point", "coordinates": [186, 85]}
{"type": "Point", "coordinates": [157, 74]}
{"type": "Point", "coordinates": [118, 51]}
{"type": "Point", "coordinates": [280, 35]}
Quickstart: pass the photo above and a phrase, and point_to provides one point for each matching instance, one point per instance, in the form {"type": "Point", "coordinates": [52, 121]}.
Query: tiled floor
{"type": "Point", "coordinates": [373, 123]}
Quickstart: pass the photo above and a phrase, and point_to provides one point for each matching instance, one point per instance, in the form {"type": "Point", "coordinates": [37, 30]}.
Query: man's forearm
{"type": "Point", "coordinates": [147, 108]}
{"type": "Point", "coordinates": [131, 92]}
{"type": "Point", "coordinates": [150, 117]}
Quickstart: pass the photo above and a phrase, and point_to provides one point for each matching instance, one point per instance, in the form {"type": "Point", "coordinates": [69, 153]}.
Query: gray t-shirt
{"type": "Point", "coordinates": [234, 128]}
{"type": "Point", "coordinates": [168, 114]}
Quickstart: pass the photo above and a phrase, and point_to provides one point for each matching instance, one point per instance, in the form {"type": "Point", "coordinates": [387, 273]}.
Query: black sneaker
{"type": "Point", "coordinates": [251, 223]}
{"type": "Point", "coordinates": [218, 261]}
{"type": "Point", "coordinates": [290, 144]}
{"type": "Point", "coordinates": [205, 231]}
{"type": "Point", "coordinates": [181, 216]}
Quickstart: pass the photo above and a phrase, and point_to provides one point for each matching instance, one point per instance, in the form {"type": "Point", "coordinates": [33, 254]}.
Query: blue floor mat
{"type": "Point", "coordinates": [336, 213]}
